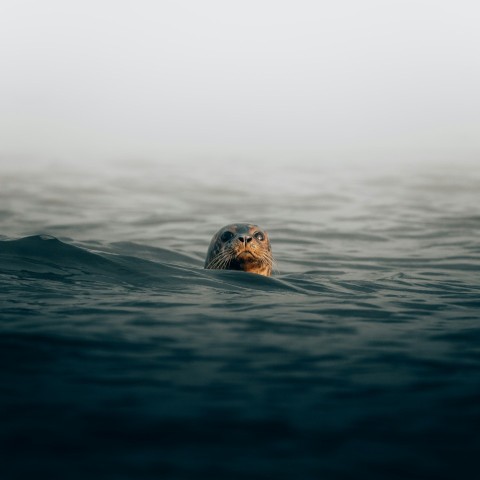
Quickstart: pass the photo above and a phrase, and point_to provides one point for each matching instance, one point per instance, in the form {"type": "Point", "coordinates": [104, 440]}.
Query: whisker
{"type": "Point", "coordinates": [220, 257]}
{"type": "Point", "coordinates": [221, 260]}
{"type": "Point", "coordinates": [267, 259]}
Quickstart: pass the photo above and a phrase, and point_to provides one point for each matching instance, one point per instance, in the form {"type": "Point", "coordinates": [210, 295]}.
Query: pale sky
{"type": "Point", "coordinates": [141, 79]}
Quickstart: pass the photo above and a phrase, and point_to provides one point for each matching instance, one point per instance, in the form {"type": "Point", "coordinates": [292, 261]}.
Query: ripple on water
{"type": "Point", "coordinates": [123, 354]}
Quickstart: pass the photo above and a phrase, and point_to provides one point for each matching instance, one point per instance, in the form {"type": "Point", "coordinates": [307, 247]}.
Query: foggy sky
{"type": "Point", "coordinates": [96, 80]}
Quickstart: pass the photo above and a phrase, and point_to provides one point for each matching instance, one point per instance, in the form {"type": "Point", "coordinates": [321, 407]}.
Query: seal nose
{"type": "Point", "coordinates": [245, 239]}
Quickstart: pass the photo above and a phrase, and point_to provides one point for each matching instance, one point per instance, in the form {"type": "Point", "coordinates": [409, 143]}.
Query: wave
{"type": "Point", "coordinates": [48, 258]}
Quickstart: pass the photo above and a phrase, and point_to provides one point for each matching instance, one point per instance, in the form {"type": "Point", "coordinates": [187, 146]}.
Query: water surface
{"type": "Point", "coordinates": [122, 358]}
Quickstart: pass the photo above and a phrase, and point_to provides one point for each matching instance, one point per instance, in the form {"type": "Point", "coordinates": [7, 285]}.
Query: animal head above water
{"type": "Point", "coordinates": [240, 246]}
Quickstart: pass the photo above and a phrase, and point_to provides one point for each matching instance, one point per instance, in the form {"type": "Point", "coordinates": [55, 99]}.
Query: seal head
{"type": "Point", "coordinates": [240, 246]}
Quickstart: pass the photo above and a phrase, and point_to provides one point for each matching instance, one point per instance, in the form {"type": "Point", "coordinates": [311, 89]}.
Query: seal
{"type": "Point", "coordinates": [240, 246]}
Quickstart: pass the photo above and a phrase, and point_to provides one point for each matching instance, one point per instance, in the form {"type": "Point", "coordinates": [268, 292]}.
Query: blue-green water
{"type": "Point", "coordinates": [122, 358]}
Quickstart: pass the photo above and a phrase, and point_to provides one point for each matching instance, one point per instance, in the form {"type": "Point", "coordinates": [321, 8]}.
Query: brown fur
{"type": "Point", "coordinates": [240, 246]}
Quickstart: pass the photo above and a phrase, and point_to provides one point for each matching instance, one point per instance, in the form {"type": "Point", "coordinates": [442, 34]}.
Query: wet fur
{"type": "Point", "coordinates": [254, 256]}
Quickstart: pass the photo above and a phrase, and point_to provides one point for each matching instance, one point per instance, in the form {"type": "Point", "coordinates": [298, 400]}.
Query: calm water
{"type": "Point", "coordinates": [121, 358]}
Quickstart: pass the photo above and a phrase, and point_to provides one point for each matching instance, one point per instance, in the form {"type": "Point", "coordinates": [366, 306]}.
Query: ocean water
{"type": "Point", "coordinates": [122, 358]}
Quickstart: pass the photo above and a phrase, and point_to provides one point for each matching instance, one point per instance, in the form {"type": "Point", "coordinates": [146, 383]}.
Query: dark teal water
{"type": "Point", "coordinates": [122, 358]}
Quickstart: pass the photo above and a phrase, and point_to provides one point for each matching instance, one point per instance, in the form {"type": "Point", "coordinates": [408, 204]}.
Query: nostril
{"type": "Point", "coordinates": [245, 238]}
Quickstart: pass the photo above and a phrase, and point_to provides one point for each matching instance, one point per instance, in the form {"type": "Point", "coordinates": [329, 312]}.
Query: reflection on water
{"type": "Point", "coordinates": [122, 358]}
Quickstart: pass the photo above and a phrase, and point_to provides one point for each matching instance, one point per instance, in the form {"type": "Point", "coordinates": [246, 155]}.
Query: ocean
{"type": "Point", "coordinates": [122, 358]}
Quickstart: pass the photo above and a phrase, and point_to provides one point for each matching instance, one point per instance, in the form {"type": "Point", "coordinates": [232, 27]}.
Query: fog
{"type": "Point", "coordinates": [97, 81]}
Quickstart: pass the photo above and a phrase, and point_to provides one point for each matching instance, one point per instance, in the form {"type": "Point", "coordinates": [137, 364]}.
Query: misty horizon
{"type": "Point", "coordinates": [148, 80]}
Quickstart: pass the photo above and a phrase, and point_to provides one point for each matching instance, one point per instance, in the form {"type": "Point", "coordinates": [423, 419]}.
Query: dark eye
{"type": "Point", "coordinates": [226, 236]}
{"type": "Point", "coordinates": [260, 236]}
